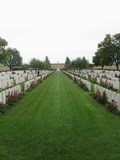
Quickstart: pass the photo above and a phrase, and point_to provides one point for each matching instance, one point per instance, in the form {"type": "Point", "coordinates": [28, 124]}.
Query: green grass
{"type": "Point", "coordinates": [59, 121]}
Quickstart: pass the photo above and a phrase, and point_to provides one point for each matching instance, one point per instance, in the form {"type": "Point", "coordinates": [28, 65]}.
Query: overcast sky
{"type": "Point", "coordinates": [58, 28]}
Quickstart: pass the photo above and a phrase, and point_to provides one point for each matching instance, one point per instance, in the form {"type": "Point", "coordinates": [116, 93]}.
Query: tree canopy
{"type": "Point", "coordinates": [108, 51]}
{"type": "Point", "coordinates": [3, 44]}
{"type": "Point", "coordinates": [78, 63]}
{"type": "Point", "coordinates": [47, 63]}
{"type": "Point", "coordinates": [13, 58]}
{"type": "Point", "coordinates": [8, 56]}
{"type": "Point", "coordinates": [40, 65]}
{"type": "Point", "coordinates": [67, 62]}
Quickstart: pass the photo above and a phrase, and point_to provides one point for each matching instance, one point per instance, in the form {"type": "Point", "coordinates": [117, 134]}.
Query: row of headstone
{"type": "Point", "coordinates": [87, 83]}
{"type": "Point", "coordinates": [9, 92]}
{"type": "Point", "coordinates": [70, 74]}
{"type": "Point", "coordinates": [8, 86]}
{"type": "Point", "coordinates": [97, 76]}
{"type": "Point", "coordinates": [46, 73]}
{"type": "Point", "coordinates": [98, 73]}
{"type": "Point", "coordinates": [114, 83]}
{"type": "Point", "coordinates": [27, 84]}
{"type": "Point", "coordinates": [9, 79]}
{"type": "Point", "coordinates": [111, 96]}
{"type": "Point", "coordinates": [19, 79]}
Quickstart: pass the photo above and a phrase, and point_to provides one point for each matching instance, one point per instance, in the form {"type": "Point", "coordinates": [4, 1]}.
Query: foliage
{"type": "Point", "coordinates": [2, 107]}
{"type": "Point", "coordinates": [108, 51]}
{"type": "Point", "coordinates": [36, 64]}
{"type": "Point", "coordinates": [25, 66]}
{"type": "Point", "coordinates": [13, 58]}
{"type": "Point", "coordinates": [40, 65]}
{"type": "Point", "coordinates": [96, 59]}
{"type": "Point", "coordinates": [47, 60]}
{"type": "Point", "coordinates": [3, 44]}
{"type": "Point", "coordinates": [67, 63]}
{"type": "Point", "coordinates": [47, 63]}
{"type": "Point", "coordinates": [101, 98]}
{"type": "Point", "coordinates": [11, 99]}
{"type": "Point", "coordinates": [78, 63]}
{"type": "Point", "coordinates": [103, 52]}
{"type": "Point", "coordinates": [116, 50]}
{"type": "Point", "coordinates": [9, 56]}
{"type": "Point", "coordinates": [83, 85]}
{"type": "Point", "coordinates": [112, 107]}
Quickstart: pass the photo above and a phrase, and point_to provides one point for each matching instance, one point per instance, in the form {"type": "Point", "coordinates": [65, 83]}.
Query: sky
{"type": "Point", "coordinates": [58, 28]}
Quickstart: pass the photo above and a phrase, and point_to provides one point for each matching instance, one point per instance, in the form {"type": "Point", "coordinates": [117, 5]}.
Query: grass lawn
{"type": "Point", "coordinates": [59, 121]}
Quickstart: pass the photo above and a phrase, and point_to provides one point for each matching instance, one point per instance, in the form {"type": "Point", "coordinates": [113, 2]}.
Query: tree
{"type": "Point", "coordinates": [100, 58]}
{"type": "Point", "coordinates": [96, 59]}
{"type": "Point", "coordinates": [13, 58]}
{"type": "Point", "coordinates": [106, 50]}
{"type": "Point", "coordinates": [79, 63]}
{"type": "Point", "coordinates": [47, 60]}
{"type": "Point", "coordinates": [116, 49]}
{"type": "Point", "coordinates": [25, 66]}
{"type": "Point", "coordinates": [37, 64]}
{"type": "Point", "coordinates": [103, 55]}
{"type": "Point", "coordinates": [3, 44]}
{"type": "Point", "coordinates": [47, 63]}
{"type": "Point", "coordinates": [67, 63]}
{"type": "Point", "coordinates": [84, 63]}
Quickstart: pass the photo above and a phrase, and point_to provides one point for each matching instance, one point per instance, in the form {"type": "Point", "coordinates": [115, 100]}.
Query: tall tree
{"type": "Point", "coordinates": [36, 64]}
{"type": "Point", "coordinates": [96, 59]}
{"type": "Point", "coordinates": [103, 56]}
{"type": "Point", "coordinates": [3, 44]}
{"type": "Point", "coordinates": [13, 58]}
{"type": "Point", "coordinates": [84, 63]}
{"type": "Point", "coordinates": [116, 49]}
{"type": "Point", "coordinates": [47, 63]}
{"type": "Point", "coordinates": [79, 63]}
{"type": "Point", "coordinates": [47, 60]}
{"type": "Point", "coordinates": [67, 62]}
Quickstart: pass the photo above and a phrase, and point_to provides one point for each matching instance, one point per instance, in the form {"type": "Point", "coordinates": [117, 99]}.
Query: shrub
{"type": "Point", "coordinates": [2, 107]}
{"type": "Point", "coordinates": [75, 80]}
{"type": "Point", "coordinates": [83, 85]}
{"type": "Point", "coordinates": [104, 98]}
{"type": "Point", "coordinates": [112, 107]}
{"type": "Point", "coordinates": [101, 98]}
{"type": "Point", "coordinates": [32, 85]}
{"type": "Point", "coordinates": [39, 80]}
{"type": "Point", "coordinates": [20, 96]}
{"type": "Point", "coordinates": [12, 98]}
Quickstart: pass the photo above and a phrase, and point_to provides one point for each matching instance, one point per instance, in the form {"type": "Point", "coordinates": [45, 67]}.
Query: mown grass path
{"type": "Point", "coordinates": [59, 121]}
